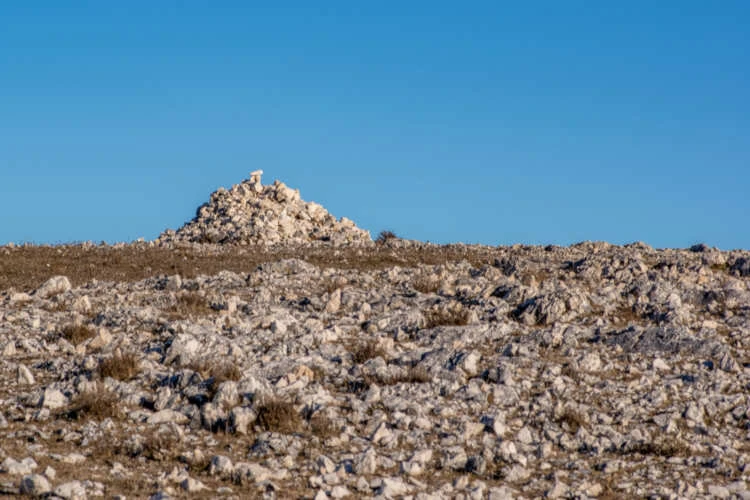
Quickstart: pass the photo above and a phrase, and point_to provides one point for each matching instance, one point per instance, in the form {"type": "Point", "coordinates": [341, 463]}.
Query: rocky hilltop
{"type": "Point", "coordinates": [251, 213]}
{"type": "Point", "coordinates": [592, 371]}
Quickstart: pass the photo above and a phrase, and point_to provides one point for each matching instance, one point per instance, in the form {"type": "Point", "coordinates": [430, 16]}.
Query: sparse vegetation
{"type": "Point", "coordinates": [447, 316]}
{"type": "Point", "coordinates": [218, 372]}
{"type": "Point", "coordinates": [190, 305]}
{"type": "Point", "coordinates": [25, 268]}
{"type": "Point", "coordinates": [571, 420]}
{"type": "Point", "coordinates": [366, 351]}
{"type": "Point", "coordinates": [98, 402]}
{"type": "Point", "coordinates": [158, 445]}
{"type": "Point", "coordinates": [662, 447]}
{"type": "Point", "coordinates": [279, 416]}
{"type": "Point", "coordinates": [413, 375]}
{"type": "Point", "coordinates": [56, 306]}
{"type": "Point", "coordinates": [385, 237]}
{"type": "Point", "coordinates": [77, 333]}
{"type": "Point", "coordinates": [426, 283]}
{"type": "Point", "coordinates": [121, 366]}
{"type": "Point", "coordinates": [321, 426]}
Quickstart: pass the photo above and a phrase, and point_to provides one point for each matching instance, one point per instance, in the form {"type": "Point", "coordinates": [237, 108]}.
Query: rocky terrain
{"type": "Point", "coordinates": [334, 367]}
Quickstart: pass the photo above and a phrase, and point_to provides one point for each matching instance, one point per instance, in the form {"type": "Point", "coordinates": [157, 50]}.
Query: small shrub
{"type": "Point", "coordinates": [571, 419]}
{"type": "Point", "coordinates": [660, 447]}
{"type": "Point", "coordinates": [451, 316]}
{"type": "Point", "coordinates": [121, 366]}
{"type": "Point", "coordinates": [56, 306]}
{"type": "Point", "coordinates": [159, 445]}
{"type": "Point", "coordinates": [75, 334]}
{"type": "Point", "coordinates": [321, 426]}
{"type": "Point", "coordinates": [366, 351]}
{"type": "Point", "coordinates": [218, 372]}
{"type": "Point", "coordinates": [189, 305]}
{"type": "Point", "coordinates": [385, 237]}
{"type": "Point", "coordinates": [279, 416]}
{"type": "Point", "coordinates": [226, 371]}
{"type": "Point", "coordinates": [426, 283]}
{"type": "Point", "coordinates": [416, 375]}
{"type": "Point", "coordinates": [358, 386]}
{"type": "Point", "coordinates": [98, 402]}
{"type": "Point", "coordinates": [413, 375]}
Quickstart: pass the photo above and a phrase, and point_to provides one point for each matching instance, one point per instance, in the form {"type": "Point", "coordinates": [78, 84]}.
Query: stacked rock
{"type": "Point", "coordinates": [253, 214]}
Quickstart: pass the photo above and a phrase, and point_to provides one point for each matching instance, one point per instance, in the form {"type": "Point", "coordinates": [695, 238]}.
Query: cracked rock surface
{"type": "Point", "coordinates": [591, 371]}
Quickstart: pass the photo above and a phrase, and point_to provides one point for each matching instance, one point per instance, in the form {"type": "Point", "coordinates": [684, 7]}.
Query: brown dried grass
{"type": "Point", "coordinates": [279, 416]}
{"type": "Point", "coordinates": [365, 351]}
{"type": "Point", "coordinates": [77, 333]}
{"type": "Point", "coordinates": [452, 316]}
{"type": "Point", "coordinates": [190, 305]}
{"type": "Point", "coordinates": [121, 366]}
{"type": "Point", "coordinates": [26, 267]}
{"type": "Point", "coordinates": [97, 403]}
{"type": "Point", "coordinates": [426, 283]}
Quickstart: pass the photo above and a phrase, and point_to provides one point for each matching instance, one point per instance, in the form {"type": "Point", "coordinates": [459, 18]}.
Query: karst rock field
{"type": "Point", "coordinates": [268, 349]}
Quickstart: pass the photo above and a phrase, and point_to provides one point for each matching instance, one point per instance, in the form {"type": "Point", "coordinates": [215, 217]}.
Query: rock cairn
{"type": "Point", "coordinates": [251, 213]}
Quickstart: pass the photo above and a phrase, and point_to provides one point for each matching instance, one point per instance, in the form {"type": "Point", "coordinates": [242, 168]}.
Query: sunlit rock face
{"type": "Point", "coordinates": [251, 213]}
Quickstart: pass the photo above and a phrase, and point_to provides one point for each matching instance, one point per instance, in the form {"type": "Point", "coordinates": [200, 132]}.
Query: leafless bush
{"type": "Point", "coordinates": [321, 425]}
{"type": "Point", "coordinates": [98, 402]}
{"type": "Point", "coordinates": [413, 375]}
{"type": "Point", "coordinates": [121, 366]}
{"type": "Point", "coordinates": [571, 419]}
{"type": "Point", "coordinates": [279, 416]}
{"type": "Point", "coordinates": [218, 372]}
{"type": "Point", "coordinates": [426, 283]}
{"type": "Point", "coordinates": [76, 333]}
{"type": "Point", "coordinates": [385, 237]}
{"type": "Point", "coordinates": [190, 305]}
{"type": "Point", "coordinates": [446, 316]}
{"type": "Point", "coordinates": [366, 351]}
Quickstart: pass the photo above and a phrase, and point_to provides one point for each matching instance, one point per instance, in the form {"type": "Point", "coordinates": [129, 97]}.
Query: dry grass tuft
{"type": "Point", "coordinates": [224, 372]}
{"type": "Point", "coordinates": [322, 426]}
{"type": "Point", "coordinates": [218, 372]}
{"type": "Point", "coordinates": [75, 334]}
{"type": "Point", "coordinates": [416, 375]}
{"type": "Point", "coordinates": [366, 351]}
{"type": "Point", "coordinates": [413, 375]}
{"type": "Point", "coordinates": [121, 366]}
{"type": "Point", "coordinates": [661, 447]}
{"type": "Point", "coordinates": [190, 305]}
{"type": "Point", "coordinates": [451, 316]}
{"type": "Point", "coordinates": [426, 283]}
{"type": "Point", "coordinates": [279, 416]}
{"type": "Point", "coordinates": [571, 420]}
{"type": "Point", "coordinates": [55, 306]}
{"type": "Point", "coordinates": [98, 403]}
{"type": "Point", "coordinates": [159, 445]}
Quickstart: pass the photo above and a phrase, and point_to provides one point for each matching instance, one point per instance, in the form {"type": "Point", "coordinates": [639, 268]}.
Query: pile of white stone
{"type": "Point", "coordinates": [251, 213]}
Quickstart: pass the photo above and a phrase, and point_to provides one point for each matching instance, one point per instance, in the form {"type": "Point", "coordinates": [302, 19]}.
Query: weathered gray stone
{"type": "Point", "coordinates": [35, 485]}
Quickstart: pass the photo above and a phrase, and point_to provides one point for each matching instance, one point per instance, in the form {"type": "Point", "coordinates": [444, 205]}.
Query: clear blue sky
{"type": "Point", "coordinates": [490, 122]}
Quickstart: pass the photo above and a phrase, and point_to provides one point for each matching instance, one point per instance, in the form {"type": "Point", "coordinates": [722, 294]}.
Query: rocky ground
{"type": "Point", "coordinates": [393, 369]}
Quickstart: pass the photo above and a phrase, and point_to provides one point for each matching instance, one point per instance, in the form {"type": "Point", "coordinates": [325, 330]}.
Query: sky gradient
{"type": "Point", "coordinates": [480, 122]}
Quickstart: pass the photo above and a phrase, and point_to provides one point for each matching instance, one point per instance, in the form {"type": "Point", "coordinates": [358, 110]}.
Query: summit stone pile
{"type": "Point", "coordinates": [589, 371]}
{"type": "Point", "coordinates": [251, 213]}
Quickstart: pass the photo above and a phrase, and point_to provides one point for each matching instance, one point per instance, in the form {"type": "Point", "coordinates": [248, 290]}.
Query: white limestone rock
{"type": "Point", "coordinates": [53, 286]}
